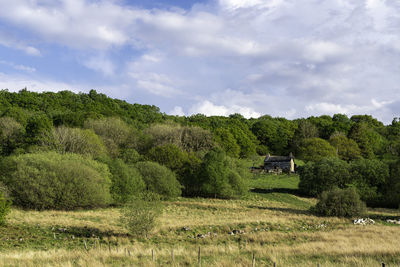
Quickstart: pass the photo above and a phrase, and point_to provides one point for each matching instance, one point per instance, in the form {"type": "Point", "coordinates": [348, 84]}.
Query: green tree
{"type": "Point", "coordinates": [11, 135]}
{"type": "Point", "coordinates": [126, 181]}
{"type": "Point", "coordinates": [316, 177]}
{"type": "Point", "coordinates": [314, 149]}
{"type": "Point", "coordinates": [227, 141]}
{"type": "Point", "coordinates": [369, 177]}
{"type": "Point", "coordinates": [159, 179]}
{"type": "Point", "coordinates": [346, 149]}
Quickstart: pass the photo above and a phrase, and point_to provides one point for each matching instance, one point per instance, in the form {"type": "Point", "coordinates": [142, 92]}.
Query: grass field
{"type": "Point", "coordinates": [273, 220]}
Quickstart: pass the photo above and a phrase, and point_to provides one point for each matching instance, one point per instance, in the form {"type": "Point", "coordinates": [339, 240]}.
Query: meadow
{"type": "Point", "coordinates": [272, 222]}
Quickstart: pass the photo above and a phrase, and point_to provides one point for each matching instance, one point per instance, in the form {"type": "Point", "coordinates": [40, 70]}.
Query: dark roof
{"type": "Point", "coordinates": [269, 158]}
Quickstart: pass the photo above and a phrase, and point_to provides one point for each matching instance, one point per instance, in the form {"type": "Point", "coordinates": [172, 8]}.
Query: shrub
{"type": "Point", "coordinates": [221, 176]}
{"type": "Point", "coordinates": [159, 179]}
{"type": "Point", "coordinates": [139, 214]}
{"type": "Point", "coordinates": [55, 181]}
{"type": "Point", "coordinates": [323, 175]}
{"type": "Point", "coordinates": [340, 203]}
{"type": "Point", "coordinates": [126, 181]}
{"type": "Point", "coordinates": [5, 204]}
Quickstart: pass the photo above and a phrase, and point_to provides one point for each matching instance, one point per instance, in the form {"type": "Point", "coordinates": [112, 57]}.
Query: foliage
{"type": "Point", "coordinates": [139, 215]}
{"type": "Point", "coordinates": [227, 141]}
{"type": "Point", "coordinates": [55, 181]}
{"type": "Point", "coordinates": [347, 149]}
{"type": "Point", "coordinates": [369, 176]}
{"type": "Point", "coordinates": [315, 149]}
{"type": "Point", "coordinates": [189, 139]}
{"type": "Point", "coordinates": [219, 176]}
{"type": "Point", "coordinates": [11, 135]}
{"type": "Point", "coordinates": [340, 203]}
{"type": "Point", "coordinates": [79, 141]}
{"type": "Point", "coordinates": [316, 177]}
{"type": "Point", "coordinates": [126, 181]}
{"type": "Point", "coordinates": [159, 179]}
{"type": "Point", "coordinates": [5, 204]}
{"type": "Point", "coordinates": [113, 131]}
{"type": "Point", "coordinates": [392, 187]}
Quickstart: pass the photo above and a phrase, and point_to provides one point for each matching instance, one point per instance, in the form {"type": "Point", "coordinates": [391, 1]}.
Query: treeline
{"type": "Point", "coordinates": [65, 150]}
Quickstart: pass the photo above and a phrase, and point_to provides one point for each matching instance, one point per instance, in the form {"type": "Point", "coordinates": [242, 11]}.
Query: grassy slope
{"type": "Point", "coordinates": [277, 225]}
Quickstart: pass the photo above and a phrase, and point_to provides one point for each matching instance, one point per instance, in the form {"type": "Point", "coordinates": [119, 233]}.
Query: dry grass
{"type": "Point", "coordinates": [275, 231]}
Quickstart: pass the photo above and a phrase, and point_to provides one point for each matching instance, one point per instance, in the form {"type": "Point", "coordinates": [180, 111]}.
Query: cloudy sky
{"type": "Point", "coordinates": [290, 58]}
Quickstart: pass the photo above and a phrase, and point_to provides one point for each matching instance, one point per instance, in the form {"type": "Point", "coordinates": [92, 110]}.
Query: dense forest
{"type": "Point", "coordinates": [65, 150]}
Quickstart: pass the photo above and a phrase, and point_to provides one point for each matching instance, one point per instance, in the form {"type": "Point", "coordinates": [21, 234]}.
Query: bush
{"type": "Point", "coordinates": [140, 214]}
{"type": "Point", "coordinates": [54, 181]}
{"type": "Point", "coordinates": [221, 176]}
{"type": "Point", "coordinates": [323, 175]}
{"type": "Point", "coordinates": [159, 179]}
{"type": "Point", "coordinates": [340, 203]}
{"type": "Point", "coordinates": [126, 181]}
{"type": "Point", "coordinates": [5, 204]}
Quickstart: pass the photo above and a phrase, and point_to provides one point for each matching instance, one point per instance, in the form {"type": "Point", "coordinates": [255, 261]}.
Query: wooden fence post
{"type": "Point", "coordinates": [274, 264]}
{"type": "Point", "coordinates": [199, 257]}
{"type": "Point", "coordinates": [253, 262]}
{"type": "Point", "coordinates": [383, 264]}
{"type": "Point", "coordinates": [152, 255]}
{"type": "Point", "coordinates": [172, 255]}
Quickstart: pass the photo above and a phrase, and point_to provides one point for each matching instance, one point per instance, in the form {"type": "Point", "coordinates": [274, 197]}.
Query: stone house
{"type": "Point", "coordinates": [279, 164]}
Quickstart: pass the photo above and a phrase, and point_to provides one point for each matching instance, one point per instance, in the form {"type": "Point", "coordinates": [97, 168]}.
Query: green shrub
{"type": "Point", "coordinates": [323, 175]}
{"type": "Point", "coordinates": [5, 204]}
{"type": "Point", "coordinates": [159, 179]}
{"type": "Point", "coordinates": [221, 176]}
{"type": "Point", "coordinates": [55, 181]}
{"type": "Point", "coordinates": [139, 215]}
{"type": "Point", "coordinates": [340, 203]}
{"type": "Point", "coordinates": [126, 181]}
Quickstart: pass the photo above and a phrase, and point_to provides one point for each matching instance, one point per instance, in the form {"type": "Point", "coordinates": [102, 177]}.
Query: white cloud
{"type": "Point", "coordinates": [154, 83]}
{"type": "Point", "coordinates": [100, 64]}
{"type": "Point", "coordinates": [8, 41]}
{"type": "Point", "coordinates": [18, 66]}
{"type": "Point", "coordinates": [209, 109]}
{"type": "Point", "coordinates": [177, 111]}
{"type": "Point", "coordinates": [18, 82]}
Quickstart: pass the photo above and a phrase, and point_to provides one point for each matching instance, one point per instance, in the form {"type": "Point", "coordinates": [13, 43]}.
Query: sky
{"type": "Point", "coordinates": [286, 58]}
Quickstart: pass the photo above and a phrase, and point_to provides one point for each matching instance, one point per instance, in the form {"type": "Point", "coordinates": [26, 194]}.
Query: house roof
{"type": "Point", "coordinates": [270, 158]}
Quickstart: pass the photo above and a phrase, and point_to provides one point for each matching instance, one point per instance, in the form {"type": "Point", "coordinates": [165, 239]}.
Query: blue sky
{"type": "Point", "coordinates": [289, 58]}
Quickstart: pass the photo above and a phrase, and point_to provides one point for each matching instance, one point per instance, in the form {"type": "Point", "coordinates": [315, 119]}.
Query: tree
{"type": "Point", "coordinates": [11, 135]}
{"type": "Point", "coordinates": [169, 155]}
{"type": "Point", "coordinates": [227, 141]}
{"type": "Point", "coordinates": [314, 149]}
{"type": "Point", "coordinates": [316, 177]}
{"type": "Point", "coordinates": [346, 149]}
{"type": "Point", "coordinates": [126, 181]}
{"type": "Point", "coordinates": [38, 129]}
{"type": "Point", "coordinates": [219, 176]}
{"type": "Point", "coordinates": [159, 179]}
{"type": "Point", "coordinates": [369, 177]}
{"type": "Point", "coordinates": [114, 132]}
{"type": "Point", "coordinates": [340, 203]}
{"type": "Point", "coordinates": [79, 141]}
